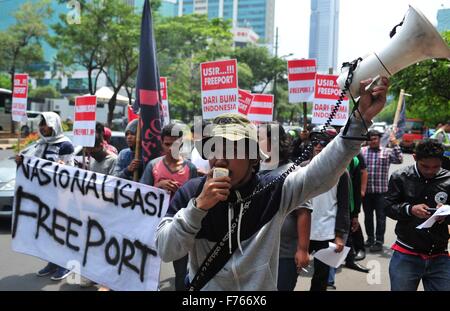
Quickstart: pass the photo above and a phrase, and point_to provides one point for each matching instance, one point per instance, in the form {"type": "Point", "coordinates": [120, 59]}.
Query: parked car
{"type": "Point", "coordinates": [415, 131]}
{"type": "Point", "coordinates": [7, 185]}
{"type": "Point", "coordinates": [380, 127]}
{"type": "Point", "coordinates": [8, 170]}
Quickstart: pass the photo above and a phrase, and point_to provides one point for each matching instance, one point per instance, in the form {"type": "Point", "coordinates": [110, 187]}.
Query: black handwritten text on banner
{"type": "Point", "coordinates": [107, 224]}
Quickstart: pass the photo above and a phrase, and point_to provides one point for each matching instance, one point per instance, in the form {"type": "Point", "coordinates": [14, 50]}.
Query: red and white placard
{"type": "Point", "coordinates": [245, 101]}
{"type": "Point", "coordinates": [261, 109]}
{"type": "Point", "coordinates": [84, 124]}
{"type": "Point", "coordinates": [326, 94]}
{"type": "Point", "coordinates": [164, 99]}
{"type": "Point", "coordinates": [219, 84]}
{"type": "Point", "coordinates": [19, 98]}
{"type": "Point", "coordinates": [301, 77]}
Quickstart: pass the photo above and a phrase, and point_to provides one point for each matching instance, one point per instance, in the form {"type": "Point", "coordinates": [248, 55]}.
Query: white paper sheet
{"type": "Point", "coordinates": [330, 257]}
{"type": "Point", "coordinates": [442, 211]}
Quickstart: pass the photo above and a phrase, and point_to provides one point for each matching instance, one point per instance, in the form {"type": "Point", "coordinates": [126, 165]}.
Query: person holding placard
{"type": "Point", "coordinates": [53, 146]}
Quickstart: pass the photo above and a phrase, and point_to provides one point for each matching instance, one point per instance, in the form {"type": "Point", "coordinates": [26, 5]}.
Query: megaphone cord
{"type": "Point", "coordinates": [306, 154]}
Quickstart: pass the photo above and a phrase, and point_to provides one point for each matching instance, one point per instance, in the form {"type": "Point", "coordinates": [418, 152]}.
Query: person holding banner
{"type": "Point", "coordinates": [233, 241]}
{"type": "Point", "coordinates": [126, 163]}
{"type": "Point", "coordinates": [53, 146]}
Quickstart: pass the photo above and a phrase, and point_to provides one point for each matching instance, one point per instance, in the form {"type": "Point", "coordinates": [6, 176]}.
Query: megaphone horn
{"type": "Point", "coordinates": [413, 41]}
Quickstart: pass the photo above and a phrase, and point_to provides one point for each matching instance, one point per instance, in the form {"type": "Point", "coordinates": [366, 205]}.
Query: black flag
{"type": "Point", "coordinates": [148, 99]}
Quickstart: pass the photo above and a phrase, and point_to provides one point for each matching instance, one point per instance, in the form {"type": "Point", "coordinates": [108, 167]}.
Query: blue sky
{"type": "Point", "coordinates": [364, 25]}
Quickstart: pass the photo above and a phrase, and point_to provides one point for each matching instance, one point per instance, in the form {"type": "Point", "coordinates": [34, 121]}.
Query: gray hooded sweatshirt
{"type": "Point", "coordinates": [254, 265]}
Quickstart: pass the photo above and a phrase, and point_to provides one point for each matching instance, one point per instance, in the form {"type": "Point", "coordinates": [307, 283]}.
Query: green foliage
{"type": "Point", "coordinates": [21, 42]}
{"type": "Point", "coordinates": [428, 82]}
{"type": "Point", "coordinates": [5, 81]}
{"type": "Point", "coordinates": [43, 92]}
{"type": "Point", "coordinates": [264, 66]}
{"type": "Point", "coordinates": [388, 113]}
{"type": "Point", "coordinates": [182, 44]}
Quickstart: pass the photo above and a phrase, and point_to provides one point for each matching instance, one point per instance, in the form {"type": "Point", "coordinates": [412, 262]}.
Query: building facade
{"type": "Point", "coordinates": [323, 34]}
{"type": "Point", "coordinates": [443, 19]}
{"type": "Point", "coordinates": [257, 15]}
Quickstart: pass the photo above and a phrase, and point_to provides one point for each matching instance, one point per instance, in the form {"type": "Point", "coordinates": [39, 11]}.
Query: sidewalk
{"type": "Point", "coordinates": [7, 143]}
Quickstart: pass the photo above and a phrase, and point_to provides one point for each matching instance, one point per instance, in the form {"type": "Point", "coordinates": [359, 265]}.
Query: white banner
{"type": "Point", "coordinates": [85, 116]}
{"type": "Point", "coordinates": [164, 99]}
{"type": "Point", "coordinates": [219, 85]}
{"type": "Point", "coordinates": [20, 97]}
{"type": "Point", "coordinates": [101, 226]}
{"type": "Point", "coordinates": [301, 76]}
{"type": "Point", "coordinates": [326, 95]}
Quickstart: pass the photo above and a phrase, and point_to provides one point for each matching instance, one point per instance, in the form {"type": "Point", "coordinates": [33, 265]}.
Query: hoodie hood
{"type": "Point", "coordinates": [54, 121]}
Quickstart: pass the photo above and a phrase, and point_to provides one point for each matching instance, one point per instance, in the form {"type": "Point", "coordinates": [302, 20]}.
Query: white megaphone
{"type": "Point", "coordinates": [416, 40]}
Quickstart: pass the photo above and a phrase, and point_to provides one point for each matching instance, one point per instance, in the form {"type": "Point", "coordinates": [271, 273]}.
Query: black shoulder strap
{"type": "Point", "coordinates": [217, 257]}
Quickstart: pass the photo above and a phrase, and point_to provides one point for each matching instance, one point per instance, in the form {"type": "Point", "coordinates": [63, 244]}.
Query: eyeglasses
{"type": "Point", "coordinates": [323, 143]}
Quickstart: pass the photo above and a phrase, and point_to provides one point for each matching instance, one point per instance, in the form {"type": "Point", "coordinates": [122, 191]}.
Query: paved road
{"type": "Point", "coordinates": [17, 270]}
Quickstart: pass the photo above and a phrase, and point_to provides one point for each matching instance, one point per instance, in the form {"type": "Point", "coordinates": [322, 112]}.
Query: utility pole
{"type": "Point", "coordinates": [275, 79]}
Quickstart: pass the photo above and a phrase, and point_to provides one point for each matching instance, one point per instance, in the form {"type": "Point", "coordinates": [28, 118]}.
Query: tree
{"type": "Point", "coordinates": [264, 66]}
{"type": "Point", "coordinates": [43, 92]}
{"type": "Point", "coordinates": [5, 81]}
{"type": "Point", "coordinates": [21, 43]}
{"type": "Point", "coordinates": [182, 44]}
{"type": "Point", "coordinates": [428, 82]}
{"type": "Point", "coordinates": [106, 41]}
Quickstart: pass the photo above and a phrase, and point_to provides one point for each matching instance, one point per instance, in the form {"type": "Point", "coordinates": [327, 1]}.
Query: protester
{"type": "Point", "coordinates": [300, 143]}
{"type": "Point", "coordinates": [378, 159]}
{"type": "Point", "coordinates": [203, 212]}
{"type": "Point", "coordinates": [357, 170]}
{"type": "Point", "coordinates": [293, 246]}
{"type": "Point", "coordinates": [126, 163]}
{"type": "Point", "coordinates": [53, 146]}
{"type": "Point", "coordinates": [107, 141]}
{"type": "Point", "coordinates": [330, 221]}
{"type": "Point", "coordinates": [201, 164]}
{"type": "Point", "coordinates": [420, 254]}
{"type": "Point", "coordinates": [170, 172]}
{"type": "Point", "coordinates": [102, 161]}
{"type": "Point", "coordinates": [442, 135]}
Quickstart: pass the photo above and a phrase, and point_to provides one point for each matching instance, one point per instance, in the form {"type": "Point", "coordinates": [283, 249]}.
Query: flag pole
{"type": "Point", "coordinates": [305, 116]}
{"type": "Point", "coordinates": [137, 155]}
{"type": "Point", "coordinates": [399, 108]}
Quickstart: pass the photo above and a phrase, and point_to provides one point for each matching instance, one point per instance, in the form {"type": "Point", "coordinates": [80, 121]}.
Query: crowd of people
{"type": "Point", "coordinates": [225, 233]}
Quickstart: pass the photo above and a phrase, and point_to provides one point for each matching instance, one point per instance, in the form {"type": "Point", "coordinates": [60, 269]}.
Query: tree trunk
{"type": "Point", "coordinates": [111, 106]}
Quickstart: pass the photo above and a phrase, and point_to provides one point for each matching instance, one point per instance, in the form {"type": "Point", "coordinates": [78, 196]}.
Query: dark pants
{"type": "Point", "coordinates": [180, 267]}
{"type": "Point", "coordinates": [406, 271]}
{"type": "Point", "coordinates": [287, 274]}
{"type": "Point", "coordinates": [375, 202]}
{"type": "Point", "coordinates": [320, 277]}
{"type": "Point", "coordinates": [357, 240]}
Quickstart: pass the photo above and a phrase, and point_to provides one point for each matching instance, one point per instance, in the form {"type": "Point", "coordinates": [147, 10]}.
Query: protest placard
{"type": "Point", "coordinates": [164, 99]}
{"type": "Point", "coordinates": [219, 85]}
{"type": "Point", "coordinates": [261, 109]}
{"type": "Point", "coordinates": [301, 78]}
{"type": "Point", "coordinates": [326, 94]}
{"type": "Point", "coordinates": [20, 97]}
{"type": "Point", "coordinates": [101, 226]}
{"type": "Point", "coordinates": [245, 101]}
{"type": "Point", "coordinates": [84, 121]}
